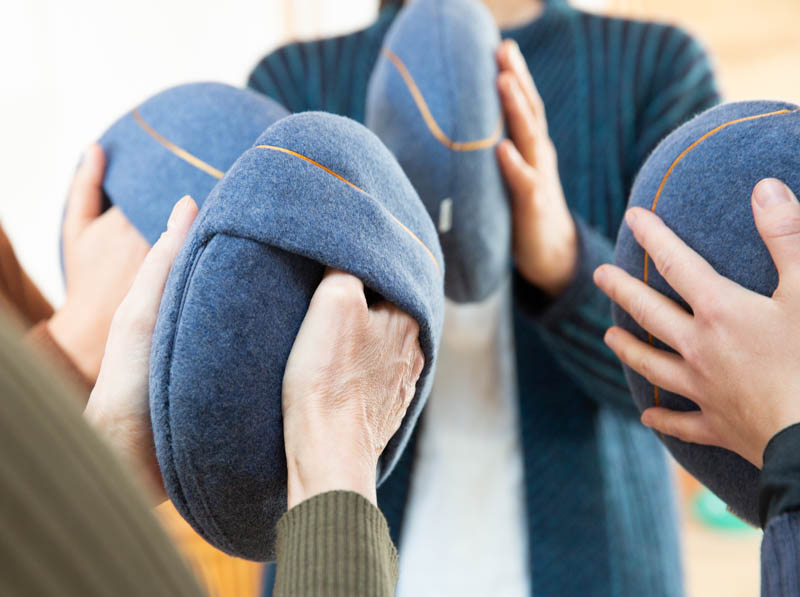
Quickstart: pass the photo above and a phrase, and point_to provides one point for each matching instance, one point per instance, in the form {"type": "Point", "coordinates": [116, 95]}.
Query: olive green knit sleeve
{"type": "Point", "coordinates": [71, 521]}
{"type": "Point", "coordinates": [335, 544]}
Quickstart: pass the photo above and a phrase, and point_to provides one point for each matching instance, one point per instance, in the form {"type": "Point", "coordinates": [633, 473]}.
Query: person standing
{"type": "Point", "coordinates": [551, 485]}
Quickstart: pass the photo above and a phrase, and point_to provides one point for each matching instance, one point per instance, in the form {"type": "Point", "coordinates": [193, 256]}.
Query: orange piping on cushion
{"type": "Point", "coordinates": [683, 154]}
{"type": "Point", "coordinates": [359, 189]}
{"type": "Point", "coordinates": [178, 151]}
{"type": "Point", "coordinates": [430, 121]}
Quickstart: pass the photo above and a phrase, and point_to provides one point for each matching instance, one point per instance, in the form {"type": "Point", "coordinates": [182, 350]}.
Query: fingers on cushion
{"type": "Point", "coordinates": [777, 217]}
{"type": "Point", "coordinates": [342, 294]}
{"type": "Point", "coordinates": [660, 367]}
{"type": "Point", "coordinates": [86, 195]}
{"type": "Point", "coordinates": [655, 313]}
{"type": "Point", "coordinates": [149, 284]}
{"type": "Point", "coordinates": [689, 274]}
{"type": "Point", "coordinates": [691, 427]}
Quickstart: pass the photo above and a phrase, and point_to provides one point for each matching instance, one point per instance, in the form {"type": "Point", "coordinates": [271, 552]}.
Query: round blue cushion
{"type": "Point", "coordinates": [315, 190]}
{"type": "Point", "coordinates": [432, 99]}
{"type": "Point", "coordinates": [716, 160]}
{"type": "Point", "coordinates": [180, 141]}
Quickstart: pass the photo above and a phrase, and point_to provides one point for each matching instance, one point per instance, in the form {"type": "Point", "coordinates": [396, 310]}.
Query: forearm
{"type": "Point", "coordinates": [335, 544]}
{"type": "Point", "coordinates": [41, 340]}
{"type": "Point", "coordinates": [573, 324]}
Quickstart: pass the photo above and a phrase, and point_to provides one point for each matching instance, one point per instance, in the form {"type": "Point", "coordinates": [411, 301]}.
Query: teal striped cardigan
{"type": "Point", "coordinates": [599, 498]}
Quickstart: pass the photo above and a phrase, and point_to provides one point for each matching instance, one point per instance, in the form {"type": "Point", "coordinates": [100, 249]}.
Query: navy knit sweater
{"type": "Point", "coordinates": [600, 503]}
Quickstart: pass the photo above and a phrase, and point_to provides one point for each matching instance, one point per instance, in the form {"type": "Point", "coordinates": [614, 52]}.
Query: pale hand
{"type": "Point", "coordinates": [119, 407]}
{"type": "Point", "coordinates": [738, 353]}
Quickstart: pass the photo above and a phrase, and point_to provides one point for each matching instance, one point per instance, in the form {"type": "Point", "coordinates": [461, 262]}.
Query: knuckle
{"type": "Point", "coordinates": [709, 307]}
{"type": "Point", "coordinates": [787, 225]}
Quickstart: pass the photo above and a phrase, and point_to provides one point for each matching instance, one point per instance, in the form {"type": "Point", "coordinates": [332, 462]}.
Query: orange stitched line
{"type": "Point", "coordinates": [430, 121]}
{"type": "Point", "coordinates": [359, 189]}
{"type": "Point", "coordinates": [678, 160]}
{"type": "Point", "coordinates": [178, 151]}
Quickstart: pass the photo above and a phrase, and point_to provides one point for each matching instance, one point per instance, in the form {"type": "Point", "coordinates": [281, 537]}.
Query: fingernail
{"type": "Point", "coordinates": [599, 275]}
{"type": "Point", "coordinates": [610, 337]}
{"type": "Point", "coordinates": [178, 211]}
{"type": "Point", "coordinates": [771, 192]}
{"type": "Point", "coordinates": [646, 419]}
{"type": "Point", "coordinates": [630, 217]}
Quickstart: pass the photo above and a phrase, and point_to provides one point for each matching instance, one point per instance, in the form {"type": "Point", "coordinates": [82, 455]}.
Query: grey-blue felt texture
{"type": "Point", "coordinates": [237, 295]}
{"type": "Point", "coordinates": [706, 200]}
{"type": "Point", "coordinates": [213, 122]}
{"type": "Point", "coordinates": [448, 48]}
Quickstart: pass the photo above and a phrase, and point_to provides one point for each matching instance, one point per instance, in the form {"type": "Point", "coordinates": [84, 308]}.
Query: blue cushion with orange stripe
{"type": "Point", "coordinates": [700, 180]}
{"type": "Point", "coordinates": [432, 99]}
{"type": "Point", "coordinates": [180, 141]}
{"type": "Point", "coordinates": [315, 190]}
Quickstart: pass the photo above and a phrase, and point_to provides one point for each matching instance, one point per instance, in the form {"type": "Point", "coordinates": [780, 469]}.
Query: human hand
{"type": "Point", "coordinates": [119, 407]}
{"type": "Point", "coordinates": [738, 351]}
{"type": "Point", "coordinates": [350, 377]}
{"type": "Point", "coordinates": [544, 236]}
{"type": "Point", "coordinates": [102, 254]}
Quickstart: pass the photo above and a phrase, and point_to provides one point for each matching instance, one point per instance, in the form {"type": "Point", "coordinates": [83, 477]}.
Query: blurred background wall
{"type": "Point", "coordinates": [69, 69]}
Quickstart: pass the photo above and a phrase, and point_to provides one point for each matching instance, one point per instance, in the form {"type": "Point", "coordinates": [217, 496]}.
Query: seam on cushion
{"type": "Point", "coordinates": [176, 149]}
{"type": "Point", "coordinates": [343, 179]}
{"type": "Point", "coordinates": [429, 119]}
{"type": "Point", "coordinates": [678, 160]}
{"type": "Point", "coordinates": [196, 255]}
{"type": "Point", "coordinates": [220, 535]}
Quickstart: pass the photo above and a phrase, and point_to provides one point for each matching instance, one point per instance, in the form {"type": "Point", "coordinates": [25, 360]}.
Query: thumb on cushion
{"type": "Point", "coordinates": [777, 217]}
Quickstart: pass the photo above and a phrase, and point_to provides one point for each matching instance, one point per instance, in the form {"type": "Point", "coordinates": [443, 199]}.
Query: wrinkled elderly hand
{"type": "Point", "coordinates": [738, 351]}
{"type": "Point", "coordinates": [102, 254]}
{"type": "Point", "coordinates": [544, 234]}
{"type": "Point", "coordinates": [349, 380]}
{"type": "Point", "coordinates": [119, 407]}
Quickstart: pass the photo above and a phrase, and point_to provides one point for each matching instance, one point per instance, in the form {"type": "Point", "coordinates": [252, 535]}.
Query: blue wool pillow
{"type": "Point", "coordinates": [432, 99]}
{"type": "Point", "coordinates": [700, 180]}
{"type": "Point", "coordinates": [315, 190]}
{"type": "Point", "coordinates": [180, 141]}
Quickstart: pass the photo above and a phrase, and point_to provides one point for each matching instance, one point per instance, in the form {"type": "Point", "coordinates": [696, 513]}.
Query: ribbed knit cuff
{"type": "Point", "coordinates": [779, 486]}
{"type": "Point", "coordinates": [335, 543]}
{"type": "Point", "coordinates": [41, 340]}
{"type": "Point", "coordinates": [780, 556]}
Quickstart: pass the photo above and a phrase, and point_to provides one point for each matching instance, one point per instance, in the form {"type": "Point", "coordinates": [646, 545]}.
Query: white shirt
{"type": "Point", "coordinates": [464, 532]}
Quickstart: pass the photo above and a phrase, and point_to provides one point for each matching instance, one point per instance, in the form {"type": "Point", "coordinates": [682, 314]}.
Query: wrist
{"type": "Point", "coordinates": [330, 462]}
{"type": "Point", "coordinates": [74, 334]}
{"type": "Point", "coordinates": [559, 262]}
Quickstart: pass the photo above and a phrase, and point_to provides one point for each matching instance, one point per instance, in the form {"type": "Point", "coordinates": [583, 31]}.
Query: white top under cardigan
{"type": "Point", "coordinates": [465, 529]}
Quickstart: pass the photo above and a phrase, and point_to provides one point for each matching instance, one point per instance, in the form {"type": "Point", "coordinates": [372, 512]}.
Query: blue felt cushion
{"type": "Point", "coordinates": [316, 190]}
{"type": "Point", "coordinates": [708, 169]}
{"type": "Point", "coordinates": [432, 99]}
{"type": "Point", "coordinates": [180, 141]}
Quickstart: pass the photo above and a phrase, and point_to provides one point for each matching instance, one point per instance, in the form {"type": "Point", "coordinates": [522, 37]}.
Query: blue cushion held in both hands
{"type": "Point", "coordinates": [432, 99]}
{"type": "Point", "coordinates": [314, 191]}
{"type": "Point", "coordinates": [699, 180]}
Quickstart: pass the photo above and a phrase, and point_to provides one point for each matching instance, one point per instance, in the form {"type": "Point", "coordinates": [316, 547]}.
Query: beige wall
{"type": "Point", "coordinates": [755, 43]}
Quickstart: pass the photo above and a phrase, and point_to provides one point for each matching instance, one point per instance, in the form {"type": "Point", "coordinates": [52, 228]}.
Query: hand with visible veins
{"type": "Point", "coordinates": [544, 235]}
{"type": "Point", "coordinates": [102, 253]}
{"type": "Point", "coordinates": [349, 380]}
{"type": "Point", "coordinates": [737, 351]}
